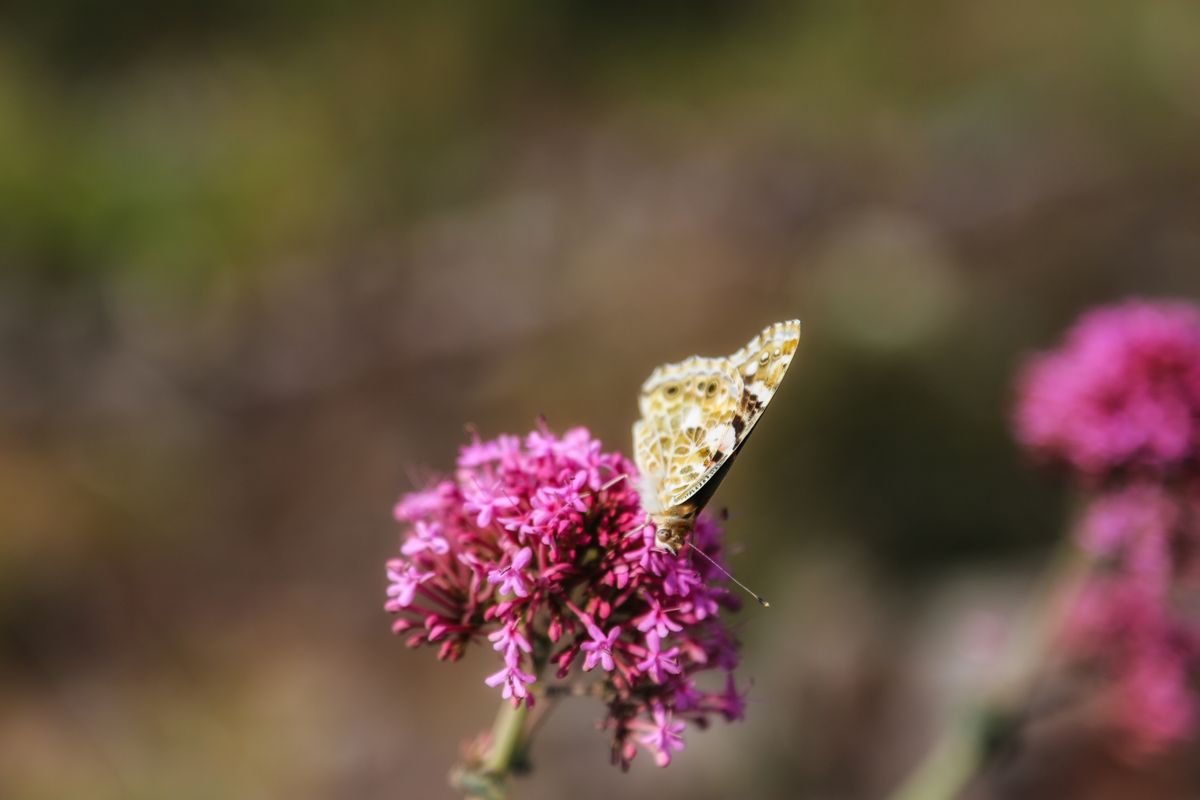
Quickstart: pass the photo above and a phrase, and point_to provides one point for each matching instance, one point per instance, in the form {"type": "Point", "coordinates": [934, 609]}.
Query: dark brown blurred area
{"type": "Point", "coordinates": [261, 262]}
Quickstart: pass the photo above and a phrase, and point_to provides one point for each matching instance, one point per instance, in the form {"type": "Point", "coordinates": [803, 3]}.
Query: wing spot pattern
{"type": "Point", "coordinates": [697, 413]}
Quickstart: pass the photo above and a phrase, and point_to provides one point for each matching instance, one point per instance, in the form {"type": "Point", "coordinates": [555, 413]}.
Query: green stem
{"type": "Point", "coordinates": [485, 775]}
{"type": "Point", "coordinates": [949, 765]}
{"type": "Point", "coordinates": [487, 778]}
{"type": "Point", "coordinates": [507, 734]}
{"type": "Point", "coordinates": [962, 749]}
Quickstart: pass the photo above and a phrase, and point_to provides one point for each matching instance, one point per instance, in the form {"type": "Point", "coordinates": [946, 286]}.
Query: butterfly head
{"type": "Point", "coordinates": [671, 532]}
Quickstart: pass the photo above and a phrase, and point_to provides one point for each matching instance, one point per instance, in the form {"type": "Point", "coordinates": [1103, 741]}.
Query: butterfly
{"type": "Point", "coordinates": [696, 415]}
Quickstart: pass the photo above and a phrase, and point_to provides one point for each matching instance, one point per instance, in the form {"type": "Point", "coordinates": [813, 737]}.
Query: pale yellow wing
{"type": "Point", "coordinates": [687, 425]}
{"type": "Point", "coordinates": [761, 364]}
{"type": "Point", "coordinates": [697, 413]}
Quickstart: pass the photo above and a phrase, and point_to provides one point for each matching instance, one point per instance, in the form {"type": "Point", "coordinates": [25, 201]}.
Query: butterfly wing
{"type": "Point", "coordinates": [649, 437]}
{"type": "Point", "coordinates": [762, 363]}
{"type": "Point", "coordinates": [687, 425]}
{"type": "Point", "coordinates": [696, 414]}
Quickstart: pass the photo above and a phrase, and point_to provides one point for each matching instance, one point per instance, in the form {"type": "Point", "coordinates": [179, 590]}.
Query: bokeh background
{"type": "Point", "coordinates": [260, 262]}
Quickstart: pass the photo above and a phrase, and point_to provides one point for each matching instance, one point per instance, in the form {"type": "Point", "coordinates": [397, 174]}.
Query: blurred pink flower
{"type": "Point", "coordinates": [663, 736]}
{"type": "Point", "coordinates": [599, 649]}
{"type": "Point", "coordinates": [1132, 525]}
{"type": "Point", "coordinates": [1123, 391]}
{"type": "Point", "coordinates": [657, 662]}
{"type": "Point", "coordinates": [1119, 402]}
{"type": "Point", "coordinates": [531, 547]}
{"type": "Point", "coordinates": [513, 678]}
{"type": "Point", "coordinates": [1157, 700]}
{"type": "Point", "coordinates": [425, 537]}
{"type": "Point", "coordinates": [510, 578]}
{"type": "Point", "coordinates": [1124, 625]}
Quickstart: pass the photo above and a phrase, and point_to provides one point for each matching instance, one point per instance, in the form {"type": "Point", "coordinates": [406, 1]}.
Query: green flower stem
{"type": "Point", "coordinates": [949, 765]}
{"type": "Point", "coordinates": [486, 776]}
{"type": "Point", "coordinates": [964, 747]}
{"type": "Point", "coordinates": [489, 778]}
{"type": "Point", "coordinates": [508, 733]}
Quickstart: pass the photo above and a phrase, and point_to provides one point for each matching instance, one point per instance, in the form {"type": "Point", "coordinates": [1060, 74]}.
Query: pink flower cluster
{"type": "Point", "coordinates": [1119, 403]}
{"type": "Point", "coordinates": [1126, 621]}
{"type": "Point", "coordinates": [534, 547]}
{"type": "Point", "coordinates": [1123, 392]}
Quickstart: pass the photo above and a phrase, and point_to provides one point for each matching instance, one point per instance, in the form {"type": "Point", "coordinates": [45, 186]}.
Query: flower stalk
{"type": "Point", "coordinates": [978, 730]}
{"type": "Point", "coordinates": [489, 778]}
{"type": "Point", "coordinates": [508, 734]}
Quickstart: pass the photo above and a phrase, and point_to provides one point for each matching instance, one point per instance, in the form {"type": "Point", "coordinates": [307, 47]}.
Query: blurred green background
{"type": "Point", "coordinates": [260, 262]}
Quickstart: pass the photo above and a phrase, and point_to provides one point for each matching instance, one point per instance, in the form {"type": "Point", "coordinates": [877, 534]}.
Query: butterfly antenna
{"type": "Point", "coordinates": [762, 601]}
{"type": "Point", "coordinates": [607, 486]}
{"type": "Point", "coordinates": [613, 482]}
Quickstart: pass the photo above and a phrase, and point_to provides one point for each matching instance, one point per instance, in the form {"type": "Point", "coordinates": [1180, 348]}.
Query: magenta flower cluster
{"type": "Point", "coordinates": [1126, 620]}
{"type": "Point", "coordinates": [1121, 393]}
{"type": "Point", "coordinates": [1119, 403]}
{"type": "Point", "coordinates": [534, 548]}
